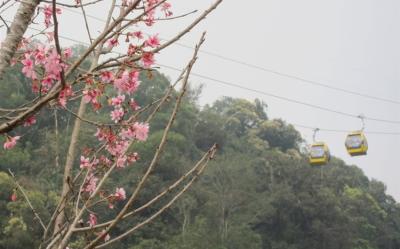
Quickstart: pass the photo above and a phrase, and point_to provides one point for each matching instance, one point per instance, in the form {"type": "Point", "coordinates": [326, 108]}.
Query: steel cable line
{"type": "Point", "coordinates": [231, 84]}
{"type": "Point", "coordinates": [345, 131]}
{"type": "Point", "coordinates": [281, 97]}
{"type": "Point", "coordinates": [268, 70]}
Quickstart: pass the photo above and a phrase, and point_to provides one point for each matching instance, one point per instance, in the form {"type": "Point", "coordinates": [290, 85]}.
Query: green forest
{"type": "Point", "coordinates": [258, 193]}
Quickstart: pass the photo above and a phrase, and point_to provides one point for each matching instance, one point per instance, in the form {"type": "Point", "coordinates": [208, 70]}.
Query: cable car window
{"type": "Point", "coordinates": [354, 141]}
{"type": "Point", "coordinates": [317, 151]}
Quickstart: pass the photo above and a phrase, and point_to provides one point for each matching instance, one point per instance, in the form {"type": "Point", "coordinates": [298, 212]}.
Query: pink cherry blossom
{"type": "Point", "coordinates": [133, 157]}
{"type": "Point", "coordinates": [104, 160]}
{"type": "Point", "coordinates": [13, 197]}
{"type": "Point", "coordinates": [11, 142]}
{"type": "Point", "coordinates": [67, 53]}
{"type": "Point", "coordinates": [138, 34]}
{"type": "Point", "coordinates": [100, 134]}
{"type": "Point", "coordinates": [48, 13]}
{"type": "Point", "coordinates": [117, 101]}
{"type": "Point", "coordinates": [85, 163]}
{"type": "Point", "coordinates": [148, 59]}
{"type": "Point", "coordinates": [91, 184]}
{"type": "Point", "coordinates": [40, 54]}
{"type": "Point", "coordinates": [28, 68]}
{"type": "Point", "coordinates": [91, 96]}
{"type": "Point", "coordinates": [121, 161]}
{"type": "Point", "coordinates": [112, 43]}
{"type": "Point", "coordinates": [134, 106]}
{"type": "Point", "coordinates": [117, 148]}
{"type": "Point", "coordinates": [132, 49]}
{"type": "Point", "coordinates": [47, 81]}
{"type": "Point", "coordinates": [127, 134]}
{"type": "Point", "coordinates": [150, 19]}
{"type": "Point", "coordinates": [64, 94]}
{"type": "Point", "coordinates": [92, 220]}
{"type": "Point", "coordinates": [120, 194]}
{"type": "Point", "coordinates": [141, 131]}
{"type": "Point", "coordinates": [166, 9]}
{"type": "Point", "coordinates": [117, 114]}
{"type": "Point", "coordinates": [128, 82]}
{"type": "Point", "coordinates": [106, 76]}
{"type": "Point", "coordinates": [30, 121]}
{"type": "Point", "coordinates": [105, 236]}
{"type": "Point", "coordinates": [152, 41]}
{"type": "Point", "coordinates": [53, 65]}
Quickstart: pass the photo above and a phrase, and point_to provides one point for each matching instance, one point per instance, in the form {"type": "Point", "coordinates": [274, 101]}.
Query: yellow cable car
{"type": "Point", "coordinates": [356, 143]}
{"type": "Point", "coordinates": [319, 154]}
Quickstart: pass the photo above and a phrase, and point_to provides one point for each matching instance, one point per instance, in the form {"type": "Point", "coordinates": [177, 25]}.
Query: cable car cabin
{"type": "Point", "coordinates": [319, 154]}
{"type": "Point", "coordinates": [356, 143]}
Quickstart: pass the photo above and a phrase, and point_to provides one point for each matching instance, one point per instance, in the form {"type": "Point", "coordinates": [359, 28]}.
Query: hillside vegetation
{"type": "Point", "coordinates": [258, 193]}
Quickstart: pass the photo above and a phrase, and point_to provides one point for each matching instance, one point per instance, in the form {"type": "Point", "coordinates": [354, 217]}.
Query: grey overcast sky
{"type": "Point", "coordinates": [351, 44]}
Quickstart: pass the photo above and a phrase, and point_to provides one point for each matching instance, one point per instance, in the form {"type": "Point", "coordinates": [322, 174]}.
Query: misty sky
{"type": "Point", "coordinates": [351, 44]}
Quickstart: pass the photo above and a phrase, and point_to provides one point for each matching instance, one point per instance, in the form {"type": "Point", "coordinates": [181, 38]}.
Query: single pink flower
{"type": "Point", "coordinates": [148, 59]}
{"type": "Point", "coordinates": [105, 236]}
{"type": "Point", "coordinates": [68, 53]}
{"type": "Point", "coordinates": [127, 83]}
{"type": "Point", "coordinates": [127, 134]}
{"type": "Point", "coordinates": [141, 131]}
{"type": "Point", "coordinates": [48, 13]}
{"type": "Point", "coordinates": [152, 41]}
{"type": "Point", "coordinates": [106, 76]}
{"type": "Point", "coordinates": [166, 9]}
{"type": "Point", "coordinates": [112, 43]}
{"type": "Point", "coordinates": [92, 220]}
{"type": "Point", "coordinates": [117, 148]}
{"type": "Point", "coordinates": [64, 94]}
{"type": "Point", "coordinates": [11, 142]}
{"type": "Point", "coordinates": [30, 121]}
{"type": "Point", "coordinates": [85, 163]}
{"type": "Point", "coordinates": [121, 161]}
{"type": "Point", "coordinates": [132, 49]}
{"type": "Point", "coordinates": [120, 194]}
{"type": "Point", "coordinates": [138, 34]}
{"type": "Point", "coordinates": [133, 157]}
{"type": "Point", "coordinates": [91, 96]}
{"type": "Point", "coordinates": [117, 101]}
{"type": "Point", "coordinates": [91, 184]}
{"type": "Point", "coordinates": [40, 54]}
{"type": "Point", "coordinates": [13, 197]}
{"type": "Point", "coordinates": [28, 68]}
{"type": "Point", "coordinates": [117, 114]}
{"type": "Point", "coordinates": [134, 105]}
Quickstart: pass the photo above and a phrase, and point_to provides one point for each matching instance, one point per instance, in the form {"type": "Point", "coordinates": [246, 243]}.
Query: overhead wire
{"type": "Point", "coordinates": [345, 131]}
{"type": "Point", "coordinates": [239, 86]}
{"type": "Point", "coordinates": [231, 84]}
{"type": "Point", "coordinates": [268, 70]}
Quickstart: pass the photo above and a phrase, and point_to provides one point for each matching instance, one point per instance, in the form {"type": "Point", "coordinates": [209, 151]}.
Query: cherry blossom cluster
{"type": "Point", "coordinates": [110, 89]}
{"type": "Point", "coordinates": [48, 62]}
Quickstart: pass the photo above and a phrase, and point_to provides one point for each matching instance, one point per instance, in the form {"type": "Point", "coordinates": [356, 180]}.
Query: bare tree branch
{"type": "Point", "coordinates": [160, 211]}
{"type": "Point", "coordinates": [35, 213]}
{"type": "Point", "coordinates": [169, 189]}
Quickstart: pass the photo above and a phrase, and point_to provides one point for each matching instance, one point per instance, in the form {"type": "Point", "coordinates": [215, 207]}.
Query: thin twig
{"type": "Point", "coordinates": [35, 213]}
{"type": "Point", "coordinates": [159, 196]}
{"type": "Point", "coordinates": [86, 22]}
{"type": "Point", "coordinates": [161, 210]}
{"type": "Point", "coordinates": [73, 5]}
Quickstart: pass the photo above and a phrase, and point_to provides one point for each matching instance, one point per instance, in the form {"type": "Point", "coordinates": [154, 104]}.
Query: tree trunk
{"type": "Point", "coordinates": [68, 166]}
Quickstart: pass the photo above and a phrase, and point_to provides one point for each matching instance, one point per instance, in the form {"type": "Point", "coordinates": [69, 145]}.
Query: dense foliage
{"type": "Point", "coordinates": [259, 193]}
